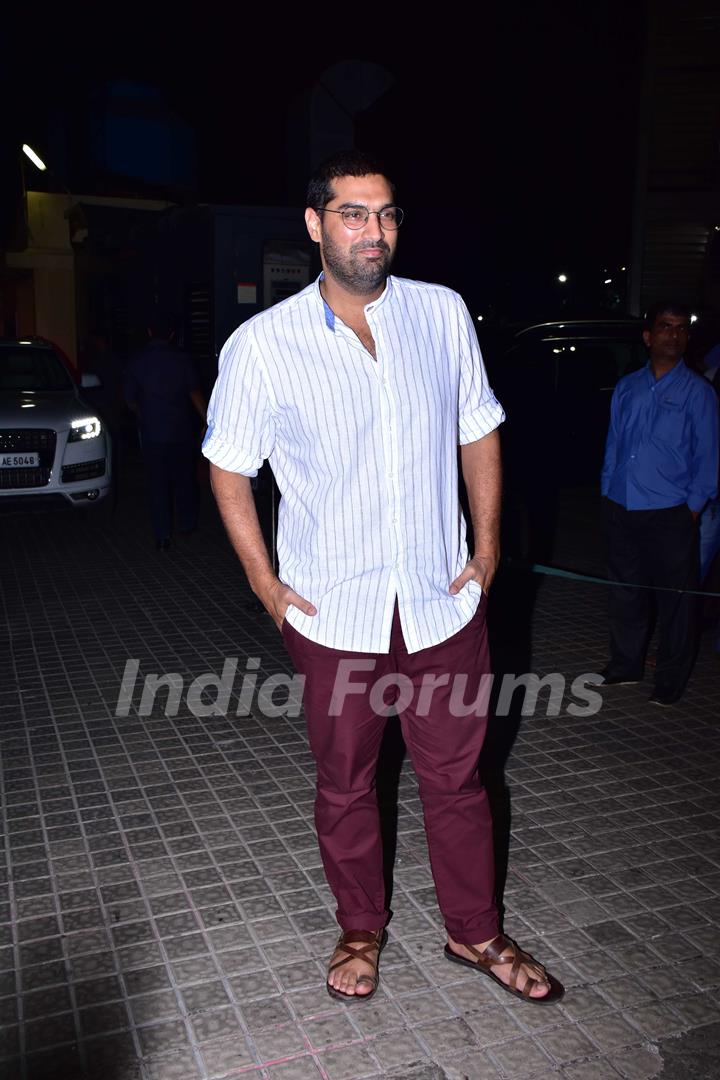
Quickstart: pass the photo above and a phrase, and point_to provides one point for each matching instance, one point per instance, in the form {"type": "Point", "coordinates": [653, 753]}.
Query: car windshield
{"type": "Point", "coordinates": [29, 368]}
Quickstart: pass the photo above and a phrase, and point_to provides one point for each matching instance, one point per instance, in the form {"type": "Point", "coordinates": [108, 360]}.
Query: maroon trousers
{"type": "Point", "coordinates": [346, 707]}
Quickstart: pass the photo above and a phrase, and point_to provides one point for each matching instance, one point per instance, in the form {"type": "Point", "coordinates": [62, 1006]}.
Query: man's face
{"type": "Point", "coordinates": [667, 339]}
{"type": "Point", "coordinates": [358, 259]}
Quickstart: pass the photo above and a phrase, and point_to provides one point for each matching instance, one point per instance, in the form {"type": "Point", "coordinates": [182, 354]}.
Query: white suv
{"type": "Point", "coordinates": [53, 446]}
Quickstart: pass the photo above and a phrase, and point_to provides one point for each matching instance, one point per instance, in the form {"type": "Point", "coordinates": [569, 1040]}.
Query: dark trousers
{"type": "Point", "coordinates": [658, 547]}
{"type": "Point", "coordinates": [170, 469]}
{"type": "Point", "coordinates": [444, 749]}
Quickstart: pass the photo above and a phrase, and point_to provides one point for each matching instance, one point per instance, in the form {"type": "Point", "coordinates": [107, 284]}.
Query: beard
{"type": "Point", "coordinates": [354, 272]}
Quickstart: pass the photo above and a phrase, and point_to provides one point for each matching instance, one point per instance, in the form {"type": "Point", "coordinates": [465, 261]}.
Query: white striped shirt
{"type": "Point", "coordinates": [364, 453]}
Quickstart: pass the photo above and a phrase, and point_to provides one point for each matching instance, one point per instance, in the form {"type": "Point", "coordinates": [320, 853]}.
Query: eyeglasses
{"type": "Point", "coordinates": [356, 217]}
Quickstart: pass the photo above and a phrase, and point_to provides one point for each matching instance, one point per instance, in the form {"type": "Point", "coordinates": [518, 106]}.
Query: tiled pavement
{"type": "Point", "coordinates": [163, 913]}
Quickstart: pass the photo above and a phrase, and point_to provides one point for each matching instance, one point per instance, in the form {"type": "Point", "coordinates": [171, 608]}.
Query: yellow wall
{"type": "Point", "coordinates": [51, 258]}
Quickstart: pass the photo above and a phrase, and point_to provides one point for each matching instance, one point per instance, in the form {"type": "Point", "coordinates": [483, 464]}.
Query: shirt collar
{"type": "Point", "coordinates": [669, 377]}
{"type": "Point", "coordinates": [330, 314]}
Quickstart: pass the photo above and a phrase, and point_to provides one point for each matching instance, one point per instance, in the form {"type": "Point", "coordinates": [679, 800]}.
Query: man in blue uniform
{"type": "Point", "coordinates": [660, 470]}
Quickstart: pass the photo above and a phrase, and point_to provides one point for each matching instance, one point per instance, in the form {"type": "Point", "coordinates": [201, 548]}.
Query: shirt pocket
{"type": "Point", "coordinates": [669, 424]}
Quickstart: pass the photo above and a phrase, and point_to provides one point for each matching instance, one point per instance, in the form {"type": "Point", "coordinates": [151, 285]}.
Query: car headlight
{"type": "Point", "coordinates": [87, 428]}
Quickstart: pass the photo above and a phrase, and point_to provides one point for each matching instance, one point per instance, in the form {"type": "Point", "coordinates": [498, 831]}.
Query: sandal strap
{"type": "Point", "coordinates": [503, 950]}
{"type": "Point", "coordinates": [371, 941]}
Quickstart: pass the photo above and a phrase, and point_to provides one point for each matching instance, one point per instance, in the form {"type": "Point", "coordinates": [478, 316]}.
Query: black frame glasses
{"type": "Point", "coordinates": [353, 223]}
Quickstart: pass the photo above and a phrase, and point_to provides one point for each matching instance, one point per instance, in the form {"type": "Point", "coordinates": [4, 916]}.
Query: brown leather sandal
{"type": "Point", "coordinates": [373, 943]}
{"type": "Point", "coordinates": [503, 950]}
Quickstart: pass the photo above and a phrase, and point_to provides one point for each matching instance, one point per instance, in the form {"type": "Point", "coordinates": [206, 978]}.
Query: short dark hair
{"type": "Point", "coordinates": [160, 322]}
{"type": "Point", "coordinates": [662, 307]}
{"type": "Point", "coordinates": [342, 163]}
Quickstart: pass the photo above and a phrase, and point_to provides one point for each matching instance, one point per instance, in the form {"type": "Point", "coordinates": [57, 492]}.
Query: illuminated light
{"type": "Point", "coordinates": [693, 318]}
{"type": "Point", "coordinates": [562, 278]}
{"type": "Point", "coordinates": [557, 350]}
{"type": "Point", "coordinates": [572, 348]}
{"type": "Point", "coordinates": [24, 342]}
{"type": "Point", "coordinates": [28, 405]}
{"type": "Point", "coordinates": [37, 161]}
{"type": "Point", "coordinates": [479, 318]}
{"type": "Point", "coordinates": [623, 269]}
{"type": "Point", "coordinates": [87, 428]}
{"type": "Point", "coordinates": [717, 228]}
{"type": "Point", "coordinates": [561, 326]}
{"type": "Point", "coordinates": [608, 281]}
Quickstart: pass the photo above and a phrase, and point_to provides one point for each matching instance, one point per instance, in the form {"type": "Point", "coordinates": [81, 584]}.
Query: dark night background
{"type": "Point", "coordinates": [511, 129]}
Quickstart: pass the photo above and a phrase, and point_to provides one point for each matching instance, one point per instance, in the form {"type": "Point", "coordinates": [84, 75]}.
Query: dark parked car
{"type": "Point", "coordinates": [555, 381]}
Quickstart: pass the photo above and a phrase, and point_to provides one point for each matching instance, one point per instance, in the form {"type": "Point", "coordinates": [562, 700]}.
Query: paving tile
{"type": "Point", "coordinates": [638, 1063]}
{"type": "Point", "coordinates": [494, 1025]}
{"type": "Point", "coordinates": [611, 1032]}
{"type": "Point", "coordinates": [329, 1030]}
{"type": "Point", "coordinates": [205, 995]}
{"type": "Point", "coordinates": [447, 1036]}
{"type": "Point", "coordinates": [302, 1068]}
{"type": "Point", "coordinates": [566, 1044]}
{"type": "Point", "coordinates": [224, 1055]}
{"type": "Point", "coordinates": [265, 1012]}
{"type": "Point", "coordinates": [100, 1019]}
{"type": "Point", "coordinates": [175, 1066]}
{"type": "Point", "coordinates": [348, 1063]}
{"type": "Point", "coordinates": [521, 1058]}
{"type": "Point", "coordinates": [162, 1037]}
{"type": "Point", "coordinates": [162, 1004]}
{"type": "Point", "coordinates": [591, 1070]}
{"type": "Point", "coordinates": [473, 1066]}
{"type": "Point", "coordinates": [279, 1043]}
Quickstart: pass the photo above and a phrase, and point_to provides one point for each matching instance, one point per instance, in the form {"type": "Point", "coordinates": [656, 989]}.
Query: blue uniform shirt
{"type": "Point", "coordinates": [662, 444]}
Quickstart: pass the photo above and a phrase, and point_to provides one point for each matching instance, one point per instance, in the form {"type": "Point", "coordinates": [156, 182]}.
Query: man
{"type": "Point", "coordinates": [660, 470]}
{"type": "Point", "coordinates": [358, 390]}
{"type": "Point", "coordinates": [162, 387]}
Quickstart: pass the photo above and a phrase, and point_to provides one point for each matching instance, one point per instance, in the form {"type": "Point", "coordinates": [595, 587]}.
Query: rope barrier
{"type": "Point", "coordinates": [573, 575]}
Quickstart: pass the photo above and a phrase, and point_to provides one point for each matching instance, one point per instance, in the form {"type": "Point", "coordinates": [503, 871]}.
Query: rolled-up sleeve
{"type": "Point", "coordinates": [241, 424]}
{"type": "Point", "coordinates": [479, 410]}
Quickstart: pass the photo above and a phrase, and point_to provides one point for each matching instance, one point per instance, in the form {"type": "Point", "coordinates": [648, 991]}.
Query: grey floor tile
{"type": "Point", "coordinates": [162, 1037]}
{"type": "Point", "coordinates": [348, 1063]}
{"type": "Point", "coordinates": [639, 1063]}
{"type": "Point", "coordinates": [175, 1066]}
{"type": "Point", "coordinates": [265, 1012]}
{"type": "Point", "coordinates": [304, 1068]}
{"type": "Point", "coordinates": [521, 1058]}
{"type": "Point", "coordinates": [399, 1049]}
{"type": "Point", "coordinates": [330, 1030]}
{"type": "Point", "coordinates": [611, 1032]}
{"type": "Point", "coordinates": [278, 1043]}
{"type": "Point", "coordinates": [224, 1055]}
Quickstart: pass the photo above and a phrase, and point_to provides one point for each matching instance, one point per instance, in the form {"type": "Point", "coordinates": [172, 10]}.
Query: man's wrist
{"type": "Point", "coordinates": [263, 585]}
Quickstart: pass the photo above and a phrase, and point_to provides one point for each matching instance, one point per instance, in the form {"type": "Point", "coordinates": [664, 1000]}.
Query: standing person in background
{"type": "Point", "coordinates": [710, 517]}
{"type": "Point", "coordinates": [660, 470]}
{"type": "Point", "coordinates": [162, 388]}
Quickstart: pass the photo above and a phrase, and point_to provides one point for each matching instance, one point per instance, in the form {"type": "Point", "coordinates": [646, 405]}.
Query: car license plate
{"type": "Point", "coordinates": [19, 461]}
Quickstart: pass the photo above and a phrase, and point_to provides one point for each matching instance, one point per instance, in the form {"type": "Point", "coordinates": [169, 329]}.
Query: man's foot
{"type": "Point", "coordinates": [661, 696]}
{"type": "Point", "coordinates": [506, 964]}
{"type": "Point", "coordinates": [612, 678]}
{"type": "Point", "coordinates": [353, 970]}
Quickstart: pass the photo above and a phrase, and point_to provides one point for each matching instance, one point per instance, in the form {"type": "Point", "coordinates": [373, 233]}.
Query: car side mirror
{"type": "Point", "coordinates": [88, 381]}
